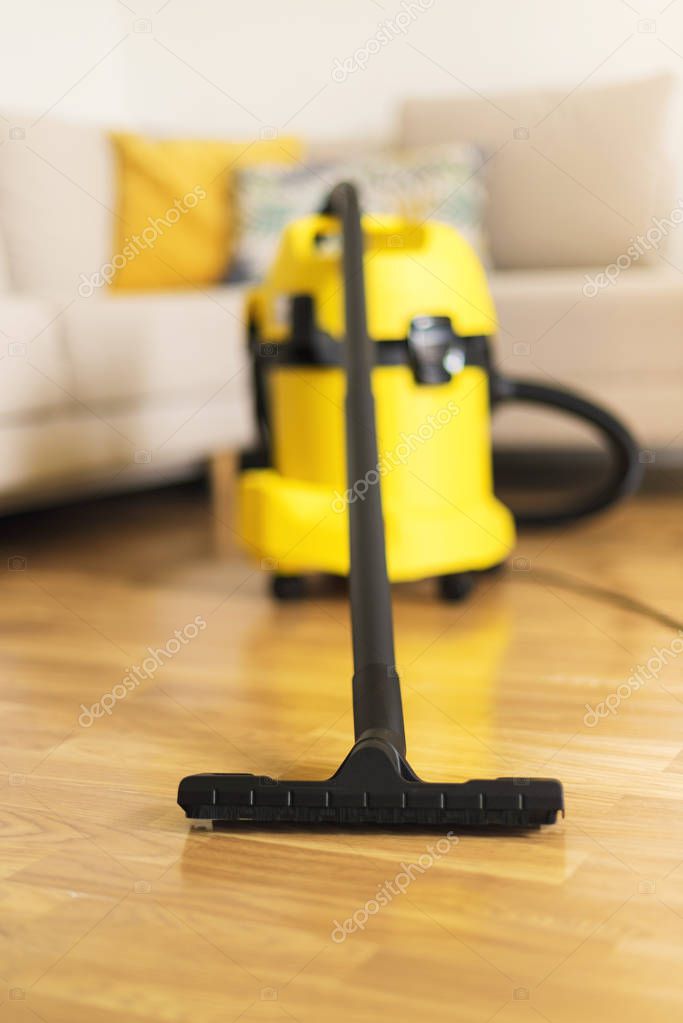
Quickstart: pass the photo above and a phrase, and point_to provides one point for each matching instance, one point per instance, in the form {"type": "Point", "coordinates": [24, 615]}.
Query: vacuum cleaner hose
{"type": "Point", "coordinates": [626, 472]}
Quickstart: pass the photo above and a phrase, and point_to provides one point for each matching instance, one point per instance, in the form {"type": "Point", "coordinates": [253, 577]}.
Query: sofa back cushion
{"type": "Point", "coordinates": [56, 203]}
{"type": "Point", "coordinates": [573, 177]}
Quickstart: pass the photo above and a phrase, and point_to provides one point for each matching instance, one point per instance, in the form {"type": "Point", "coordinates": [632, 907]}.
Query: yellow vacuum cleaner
{"type": "Point", "coordinates": [431, 318]}
{"type": "Point", "coordinates": [375, 784]}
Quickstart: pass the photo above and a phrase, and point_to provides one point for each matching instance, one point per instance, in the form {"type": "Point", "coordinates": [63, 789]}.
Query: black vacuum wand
{"type": "Point", "coordinates": [374, 784]}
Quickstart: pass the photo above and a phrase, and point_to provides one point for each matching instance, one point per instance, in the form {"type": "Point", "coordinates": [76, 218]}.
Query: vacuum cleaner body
{"type": "Point", "coordinates": [430, 316]}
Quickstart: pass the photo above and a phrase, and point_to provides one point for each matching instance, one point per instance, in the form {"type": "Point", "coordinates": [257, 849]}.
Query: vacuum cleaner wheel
{"type": "Point", "coordinates": [456, 586]}
{"type": "Point", "coordinates": [288, 587]}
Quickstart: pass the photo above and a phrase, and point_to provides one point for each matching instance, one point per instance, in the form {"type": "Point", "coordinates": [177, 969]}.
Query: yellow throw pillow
{"type": "Point", "coordinates": [175, 222]}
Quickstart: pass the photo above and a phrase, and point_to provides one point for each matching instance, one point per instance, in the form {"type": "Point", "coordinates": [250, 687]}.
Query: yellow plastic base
{"type": "Point", "coordinates": [301, 528]}
{"type": "Point", "coordinates": [435, 469]}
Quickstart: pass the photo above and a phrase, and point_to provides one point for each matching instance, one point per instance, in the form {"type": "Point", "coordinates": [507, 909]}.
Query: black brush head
{"type": "Point", "coordinates": [373, 786]}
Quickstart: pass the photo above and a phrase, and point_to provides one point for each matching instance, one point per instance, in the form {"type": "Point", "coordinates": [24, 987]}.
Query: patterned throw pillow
{"type": "Point", "coordinates": [433, 183]}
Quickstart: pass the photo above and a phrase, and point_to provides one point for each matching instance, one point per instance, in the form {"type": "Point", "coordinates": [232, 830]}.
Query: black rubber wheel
{"type": "Point", "coordinates": [288, 587]}
{"type": "Point", "coordinates": [456, 586]}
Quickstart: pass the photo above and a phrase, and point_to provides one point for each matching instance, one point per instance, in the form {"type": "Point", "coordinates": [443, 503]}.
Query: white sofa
{"type": "Point", "coordinates": [113, 389]}
{"type": "Point", "coordinates": [118, 390]}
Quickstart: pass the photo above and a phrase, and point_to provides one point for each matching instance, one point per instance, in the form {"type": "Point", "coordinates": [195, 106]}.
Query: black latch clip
{"type": "Point", "coordinates": [435, 352]}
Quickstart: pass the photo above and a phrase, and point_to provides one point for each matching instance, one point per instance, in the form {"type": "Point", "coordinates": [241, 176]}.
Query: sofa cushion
{"type": "Point", "coordinates": [573, 176]}
{"type": "Point", "coordinates": [407, 182]}
{"type": "Point", "coordinates": [35, 375]}
{"type": "Point", "coordinates": [133, 346]}
{"type": "Point", "coordinates": [175, 223]}
{"type": "Point", "coordinates": [620, 346]}
{"type": "Point", "coordinates": [56, 203]}
{"type": "Point", "coordinates": [79, 450]}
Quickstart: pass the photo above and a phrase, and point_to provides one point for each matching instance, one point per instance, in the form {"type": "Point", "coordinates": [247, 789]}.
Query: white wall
{"type": "Point", "coordinates": [220, 67]}
{"type": "Point", "coordinates": [216, 67]}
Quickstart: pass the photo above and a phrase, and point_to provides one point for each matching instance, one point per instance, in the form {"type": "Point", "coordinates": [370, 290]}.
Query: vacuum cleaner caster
{"type": "Point", "coordinates": [456, 586]}
{"type": "Point", "coordinates": [288, 587]}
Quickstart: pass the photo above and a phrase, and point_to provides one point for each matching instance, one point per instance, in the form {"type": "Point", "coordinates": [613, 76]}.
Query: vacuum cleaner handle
{"type": "Point", "coordinates": [377, 706]}
{"type": "Point", "coordinates": [626, 472]}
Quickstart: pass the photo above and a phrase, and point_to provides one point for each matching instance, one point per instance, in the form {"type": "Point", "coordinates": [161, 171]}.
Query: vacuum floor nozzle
{"type": "Point", "coordinates": [373, 786]}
